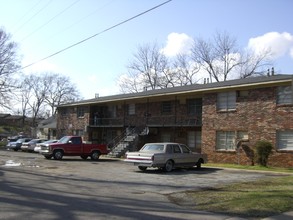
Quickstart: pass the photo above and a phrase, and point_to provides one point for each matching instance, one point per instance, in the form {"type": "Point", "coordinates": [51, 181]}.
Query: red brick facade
{"type": "Point", "coordinates": [258, 115]}
{"type": "Point", "coordinates": [190, 115]}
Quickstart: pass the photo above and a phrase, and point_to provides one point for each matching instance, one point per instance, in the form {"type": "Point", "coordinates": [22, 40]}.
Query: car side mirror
{"type": "Point", "coordinates": [69, 142]}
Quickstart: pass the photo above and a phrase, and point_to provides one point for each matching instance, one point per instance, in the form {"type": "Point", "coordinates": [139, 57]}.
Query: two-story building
{"type": "Point", "coordinates": [222, 119]}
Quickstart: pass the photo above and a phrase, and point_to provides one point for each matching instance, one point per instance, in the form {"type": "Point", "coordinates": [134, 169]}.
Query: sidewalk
{"type": "Point", "coordinates": [284, 216]}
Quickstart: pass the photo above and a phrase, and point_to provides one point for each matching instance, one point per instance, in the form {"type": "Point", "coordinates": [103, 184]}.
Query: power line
{"type": "Point", "coordinates": [76, 22]}
{"type": "Point", "coordinates": [33, 16]}
{"type": "Point", "coordinates": [26, 13]}
{"type": "Point", "coordinates": [105, 30]}
{"type": "Point", "coordinates": [43, 25]}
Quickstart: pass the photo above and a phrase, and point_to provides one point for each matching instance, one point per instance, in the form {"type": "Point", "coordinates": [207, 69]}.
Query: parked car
{"type": "Point", "coordinates": [17, 144]}
{"type": "Point", "coordinates": [165, 156]}
{"type": "Point", "coordinates": [11, 140]}
{"type": "Point", "coordinates": [30, 146]}
{"type": "Point", "coordinates": [73, 146]}
{"type": "Point", "coordinates": [38, 147]}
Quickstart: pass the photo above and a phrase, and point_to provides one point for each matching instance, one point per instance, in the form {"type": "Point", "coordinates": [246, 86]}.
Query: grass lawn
{"type": "Point", "coordinates": [257, 199]}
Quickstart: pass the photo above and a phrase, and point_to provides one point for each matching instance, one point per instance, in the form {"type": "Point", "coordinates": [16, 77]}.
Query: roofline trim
{"type": "Point", "coordinates": [95, 101]}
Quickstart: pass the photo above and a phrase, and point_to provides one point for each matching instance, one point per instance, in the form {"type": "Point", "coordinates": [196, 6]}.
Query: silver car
{"type": "Point", "coordinates": [46, 143]}
{"type": "Point", "coordinates": [165, 156]}
{"type": "Point", "coordinates": [30, 146]}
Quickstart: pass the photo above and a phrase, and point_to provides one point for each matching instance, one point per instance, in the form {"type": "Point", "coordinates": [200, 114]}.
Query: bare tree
{"type": "Point", "coordinates": [41, 93]}
{"type": "Point", "coordinates": [254, 64]}
{"type": "Point", "coordinates": [221, 57]}
{"type": "Point", "coordinates": [60, 90]}
{"type": "Point", "coordinates": [9, 64]}
{"type": "Point", "coordinates": [185, 70]}
{"type": "Point", "coordinates": [146, 70]}
{"type": "Point", "coordinates": [34, 94]}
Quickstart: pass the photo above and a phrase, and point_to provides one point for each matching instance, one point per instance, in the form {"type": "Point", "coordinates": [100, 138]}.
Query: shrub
{"type": "Point", "coordinates": [263, 149]}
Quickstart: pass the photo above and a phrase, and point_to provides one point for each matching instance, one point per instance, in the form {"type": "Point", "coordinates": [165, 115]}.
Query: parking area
{"type": "Point", "coordinates": [108, 188]}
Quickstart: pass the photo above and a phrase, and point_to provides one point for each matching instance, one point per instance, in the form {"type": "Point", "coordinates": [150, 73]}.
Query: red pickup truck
{"type": "Point", "coordinates": [73, 146]}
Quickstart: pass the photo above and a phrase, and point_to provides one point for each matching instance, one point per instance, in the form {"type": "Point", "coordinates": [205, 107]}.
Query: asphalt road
{"type": "Point", "coordinates": [32, 187]}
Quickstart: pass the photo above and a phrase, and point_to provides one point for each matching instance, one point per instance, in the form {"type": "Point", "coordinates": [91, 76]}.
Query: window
{"type": "Point", "coordinates": [185, 150]}
{"type": "Point", "coordinates": [165, 137]}
{"type": "Point", "coordinates": [131, 109]}
{"type": "Point", "coordinates": [225, 140]}
{"type": "Point", "coordinates": [228, 140]}
{"type": "Point", "coordinates": [176, 149]}
{"type": "Point", "coordinates": [166, 107]}
{"type": "Point", "coordinates": [194, 106]}
{"type": "Point", "coordinates": [112, 111]}
{"type": "Point", "coordinates": [226, 101]}
{"type": "Point", "coordinates": [79, 132]}
{"type": "Point", "coordinates": [285, 140]}
{"type": "Point", "coordinates": [171, 148]}
{"type": "Point", "coordinates": [75, 140]}
{"type": "Point", "coordinates": [63, 111]}
{"type": "Point", "coordinates": [80, 112]}
{"type": "Point", "coordinates": [284, 95]}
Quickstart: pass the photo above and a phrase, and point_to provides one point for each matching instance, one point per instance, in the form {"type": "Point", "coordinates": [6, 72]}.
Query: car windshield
{"type": "Point", "coordinates": [20, 140]}
{"type": "Point", "coordinates": [153, 147]}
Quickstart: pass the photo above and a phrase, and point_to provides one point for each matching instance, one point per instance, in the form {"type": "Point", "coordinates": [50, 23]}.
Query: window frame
{"type": "Point", "coordinates": [230, 139]}
{"type": "Point", "coordinates": [166, 108]}
{"type": "Point", "coordinates": [284, 134]}
{"type": "Point", "coordinates": [194, 106]}
{"type": "Point", "coordinates": [80, 112]}
{"type": "Point", "coordinates": [284, 95]}
{"type": "Point", "coordinates": [131, 109]}
{"type": "Point", "coordinates": [226, 101]}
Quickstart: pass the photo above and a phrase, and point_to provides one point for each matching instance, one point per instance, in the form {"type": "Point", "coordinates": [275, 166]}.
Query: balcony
{"type": "Point", "coordinates": [150, 121]}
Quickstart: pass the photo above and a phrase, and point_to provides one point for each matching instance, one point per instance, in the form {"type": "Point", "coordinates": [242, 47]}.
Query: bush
{"type": "Point", "coordinates": [263, 149]}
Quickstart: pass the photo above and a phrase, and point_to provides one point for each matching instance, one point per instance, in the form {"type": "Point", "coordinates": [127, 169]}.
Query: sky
{"type": "Point", "coordinates": [99, 51]}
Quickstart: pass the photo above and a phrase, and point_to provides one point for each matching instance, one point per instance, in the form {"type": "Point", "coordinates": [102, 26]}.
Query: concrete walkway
{"type": "Point", "coordinates": [284, 216]}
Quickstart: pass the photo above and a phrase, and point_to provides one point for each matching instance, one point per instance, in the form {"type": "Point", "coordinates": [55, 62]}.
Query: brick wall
{"type": "Point", "coordinates": [256, 113]}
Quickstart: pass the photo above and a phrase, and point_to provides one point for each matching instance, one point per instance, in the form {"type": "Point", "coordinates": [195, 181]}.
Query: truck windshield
{"type": "Point", "coordinates": [64, 140]}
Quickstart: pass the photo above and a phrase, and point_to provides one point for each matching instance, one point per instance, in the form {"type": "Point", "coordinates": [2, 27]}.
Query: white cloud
{"type": "Point", "coordinates": [279, 44]}
{"type": "Point", "coordinates": [177, 43]}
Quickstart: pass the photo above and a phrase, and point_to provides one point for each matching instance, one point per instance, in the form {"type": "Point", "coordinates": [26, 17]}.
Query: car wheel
{"type": "Point", "coordinates": [84, 157]}
{"type": "Point", "coordinates": [198, 165]}
{"type": "Point", "coordinates": [58, 154]}
{"type": "Point", "coordinates": [95, 155]}
{"type": "Point", "coordinates": [48, 157]}
{"type": "Point", "coordinates": [169, 166]}
{"type": "Point", "coordinates": [142, 168]}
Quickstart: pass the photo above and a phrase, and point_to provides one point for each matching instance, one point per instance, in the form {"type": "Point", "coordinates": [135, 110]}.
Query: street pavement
{"type": "Point", "coordinates": [35, 188]}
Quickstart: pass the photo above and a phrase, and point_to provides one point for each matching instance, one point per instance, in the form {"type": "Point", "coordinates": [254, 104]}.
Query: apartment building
{"type": "Point", "coordinates": [222, 119]}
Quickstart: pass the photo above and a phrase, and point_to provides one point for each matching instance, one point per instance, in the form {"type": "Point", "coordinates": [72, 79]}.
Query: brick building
{"type": "Point", "coordinates": [223, 119]}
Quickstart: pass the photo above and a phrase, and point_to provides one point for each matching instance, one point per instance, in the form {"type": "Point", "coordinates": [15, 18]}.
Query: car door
{"type": "Point", "coordinates": [176, 153]}
{"type": "Point", "coordinates": [187, 156]}
{"type": "Point", "coordinates": [74, 145]}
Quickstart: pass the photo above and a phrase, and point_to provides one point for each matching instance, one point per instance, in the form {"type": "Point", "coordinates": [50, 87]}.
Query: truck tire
{"type": "Point", "coordinates": [58, 154]}
{"type": "Point", "coordinates": [95, 155]}
{"type": "Point", "coordinates": [169, 166]}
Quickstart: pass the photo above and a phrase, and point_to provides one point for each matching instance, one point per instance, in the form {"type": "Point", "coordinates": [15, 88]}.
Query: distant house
{"type": "Point", "coordinates": [222, 119]}
{"type": "Point", "coordinates": [47, 128]}
{"type": "Point", "coordinates": [18, 124]}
